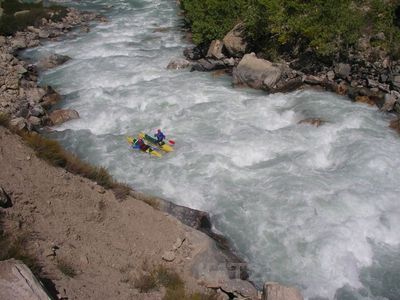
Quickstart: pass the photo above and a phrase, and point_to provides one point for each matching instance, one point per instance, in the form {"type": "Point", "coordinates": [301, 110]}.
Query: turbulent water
{"type": "Point", "coordinates": [317, 208]}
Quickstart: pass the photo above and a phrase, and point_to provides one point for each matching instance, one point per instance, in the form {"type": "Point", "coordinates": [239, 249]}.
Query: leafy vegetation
{"type": "Point", "coordinates": [276, 26]}
{"type": "Point", "coordinates": [11, 22]}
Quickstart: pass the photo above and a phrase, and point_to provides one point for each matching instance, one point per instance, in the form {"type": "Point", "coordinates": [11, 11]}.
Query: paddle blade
{"type": "Point", "coordinates": [171, 142]}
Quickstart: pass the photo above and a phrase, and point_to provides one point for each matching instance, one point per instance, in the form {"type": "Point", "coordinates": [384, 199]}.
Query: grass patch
{"type": "Point", "coordinates": [173, 283]}
{"type": "Point", "coordinates": [4, 120]}
{"type": "Point", "coordinates": [66, 268]}
{"type": "Point", "coordinates": [52, 152]}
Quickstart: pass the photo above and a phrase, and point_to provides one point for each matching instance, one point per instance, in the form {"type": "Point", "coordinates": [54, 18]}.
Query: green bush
{"type": "Point", "coordinates": [274, 26]}
{"type": "Point", "coordinates": [212, 19]}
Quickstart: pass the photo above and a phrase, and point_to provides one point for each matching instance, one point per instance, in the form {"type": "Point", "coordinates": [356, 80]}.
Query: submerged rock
{"type": "Point", "coordinates": [178, 63]}
{"type": "Point", "coordinates": [312, 121]}
{"type": "Point", "coordinates": [60, 116]}
{"type": "Point", "coordinates": [52, 61]}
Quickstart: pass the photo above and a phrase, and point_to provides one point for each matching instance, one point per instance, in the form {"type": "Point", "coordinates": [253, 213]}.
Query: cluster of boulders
{"type": "Point", "coordinates": [20, 95]}
{"type": "Point", "coordinates": [368, 75]}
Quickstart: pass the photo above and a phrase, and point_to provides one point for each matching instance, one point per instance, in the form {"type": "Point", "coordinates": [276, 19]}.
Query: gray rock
{"type": "Point", "coordinates": [35, 94]}
{"type": "Point", "coordinates": [206, 65]}
{"type": "Point", "coordinates": [379, 36]}
{"type": "Point", "coordinates": [18, 282]}
{"type": "Point", "coordinates": [43, 34]}
{"type": "Point", "coordinates": [169, 256]}
{"type": "Point", "coordinates": [396, 81]}
{"type": "Point", "coordinates": [33, 43]}
{"type": "Point", "coordinates": [34, 121]}
{"type": "Point", "coordinates": [178, 63]}
{"type": "Point", "coordinates": [256, 73]}
{"type": "Point", "coordinates": [342, 70]}
{"type": "Point", "coordinates": [239, 288]}
{"type": "Point", "coordinates": [58, 117]}
{"type": "Point", "coordinates": [215, 50]}
{"type": "Point", "coordinates": [20, 69]}
{"type": "Point", "coordinates": [5, 200]}
{"type": "Point", "coordinates": [275, 291]}
{"type": "Point", "coordinates": [330, 75]}
{"type": "Point", "coordinates": [372, 83]}
{"type": "Point", "coordinates": [389, 104]}
{"type": "Point", "coordinates": [18, 43]}
{"type": "Point", "coordinates": [313, 80]}
{"type": "Point", "coordinates": [229, 62]}
{"type": "Point", "coordinates": [33, 29]}
{"type": "Point", "coordinates": [52, 61]}
{"type": "Point", "coordinates": [234, 41]}
{"type": "Point", "coordinates": [37, 111]}
{"type": "Point", "coordinates": [18, 123]}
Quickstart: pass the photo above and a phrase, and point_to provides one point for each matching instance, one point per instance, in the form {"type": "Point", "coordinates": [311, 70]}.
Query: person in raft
{"type": "Point", "coordinates": [160, 136]}
{"type": "Point", "coordinates": [141, 145]}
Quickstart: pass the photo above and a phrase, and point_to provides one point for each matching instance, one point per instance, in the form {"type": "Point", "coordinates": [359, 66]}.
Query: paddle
{"type": "Point", "coordinates": [172, 142]}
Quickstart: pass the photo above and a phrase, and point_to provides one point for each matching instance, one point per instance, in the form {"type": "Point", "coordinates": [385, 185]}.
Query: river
{"type": "Point", "coordinates": [313, 207]}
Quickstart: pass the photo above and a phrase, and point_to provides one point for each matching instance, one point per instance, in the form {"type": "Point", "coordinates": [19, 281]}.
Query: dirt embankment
{"type": "Point", "coordinates": [75, 227]}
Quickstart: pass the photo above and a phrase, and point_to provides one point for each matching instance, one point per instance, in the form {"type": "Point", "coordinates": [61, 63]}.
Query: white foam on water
{"type": "Point", "coordinates": [301, 203]}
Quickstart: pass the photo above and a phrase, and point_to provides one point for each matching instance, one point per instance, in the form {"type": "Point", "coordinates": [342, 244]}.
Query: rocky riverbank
{"type": "Point", "coordinates": [20, 95]}
{"type": "Point", "coordinates": [368, 75]}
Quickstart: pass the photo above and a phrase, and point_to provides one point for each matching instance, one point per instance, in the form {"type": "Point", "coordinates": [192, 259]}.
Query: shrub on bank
{"type": "Point", "coordinates": [173, 283]}
{"type": "Point", "coordinates": [275, 26]}
{"type": "Point", "coordinates": [52, 152]}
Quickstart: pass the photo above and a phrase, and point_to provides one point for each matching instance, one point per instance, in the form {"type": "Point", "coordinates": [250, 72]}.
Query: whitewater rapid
{"type": "Point", "coordinates": [314, 207]}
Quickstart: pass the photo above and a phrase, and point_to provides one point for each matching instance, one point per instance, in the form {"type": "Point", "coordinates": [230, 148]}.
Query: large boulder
{"type": "Point", "coordinates": [342, 70]}
{"type": "Point", "coordinates": [60, 116]}
{"type": "Point", "coordinates": [18, 282]}
{"type": "Point", "coordinates": [257, 73]}
{"type": "Point", "coordinates": [275, 291]}
{"type": "Point", "coordinates": [215, 50]}
{"type": "Point", "coordinates": [234, 41]}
